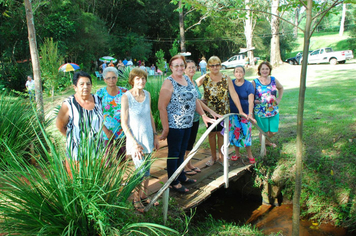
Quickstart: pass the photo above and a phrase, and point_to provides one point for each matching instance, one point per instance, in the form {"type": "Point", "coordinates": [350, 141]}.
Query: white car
{"type": "Point", "coordinates": [234, 61]}
{"type": "Point", "coordinates": [327, 55]}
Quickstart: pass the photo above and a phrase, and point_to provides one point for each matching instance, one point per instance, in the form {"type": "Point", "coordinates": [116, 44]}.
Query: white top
{"type": "Point", "coordinates": [139, 121]}
{"type": "Point", "coordinates": [30, 85]}
{"type": "Point", "coordinates": [202, 64]}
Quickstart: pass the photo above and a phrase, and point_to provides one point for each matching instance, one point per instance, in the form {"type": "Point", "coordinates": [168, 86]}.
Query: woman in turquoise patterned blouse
{"type": "Point", "coordinates": [111, 102]}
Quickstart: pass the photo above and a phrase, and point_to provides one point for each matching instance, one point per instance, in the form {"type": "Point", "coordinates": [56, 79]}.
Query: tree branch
{"type": "Point", "coordinates": [198, 23]}
{"type": "Point", "coordinates": [302, 3]}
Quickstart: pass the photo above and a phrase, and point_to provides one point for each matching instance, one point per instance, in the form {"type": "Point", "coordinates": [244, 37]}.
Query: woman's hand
{"type": "Point", "coordinates": [250, 118]}
{"type": "Point", "coordinates": [156, 142]}
{"type": "Point", "coordinates": [215, 115]}
{"type": "Point", "coordinates": [138, 151]}
{"type": "Point", "coordinates": [278, 100]}
{"type": "Point", "coordinates": [257, 102]}
{"type": "Point", "coordinates": [164, 134]}
{"type": "Point", "coordinates": [207, 120]}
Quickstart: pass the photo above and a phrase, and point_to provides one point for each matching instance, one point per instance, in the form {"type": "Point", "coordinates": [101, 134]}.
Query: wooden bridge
{"type": "Point", "coordinates": [208, 180]}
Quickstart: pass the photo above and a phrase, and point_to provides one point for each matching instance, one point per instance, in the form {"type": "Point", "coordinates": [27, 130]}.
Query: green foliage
{"type": "Point", "coordinates": [19, 130]}
{"type": "Point", "coordinates": [175, 48]}
{"type": "Point", "coordinates": [50, 62]}
{"type": "Point", "coordinates": [45, 200]}
{"type": "Point", "coordinates": [160, 59]}
{"type": "Point", "coordinates": [153, 86]}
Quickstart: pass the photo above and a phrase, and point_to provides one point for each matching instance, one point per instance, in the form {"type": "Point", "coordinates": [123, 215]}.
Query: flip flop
{"type": "Point", "coordinates": [190, 172]}
{"type": "Point", "coordinates": [189, 181]}
{"type": "Point", "coordinates": [196, 169]}
{"type": "Point", "coordinates": [179, 190]}
{"type": "Point", "coordinates": [235, 157]}
{"type": "Point", "coordinates": [138, 206]}
{"type": "Point", "coordinates": [271, 145]}
{"type": "Point", "coordinates": [252, 160]}
{"type": "Point", "coordinates": [210, 163]}
{"type": "Point", "coordinates": [147, 200]}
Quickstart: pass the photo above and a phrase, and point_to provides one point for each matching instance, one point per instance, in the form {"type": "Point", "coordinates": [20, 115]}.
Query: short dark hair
{"type": "Point", "coordinates": [264, 63]}
{"type": "Point", "coordinates": [79, 74]}
{"type": "Point", "coordinates": [136, 72]}
{"type": "Point", "coordinates": [240, 66]}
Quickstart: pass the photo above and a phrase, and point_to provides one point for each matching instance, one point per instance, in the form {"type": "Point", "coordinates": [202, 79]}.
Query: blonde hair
{"type": "Point", "coordinates": [214, 59]}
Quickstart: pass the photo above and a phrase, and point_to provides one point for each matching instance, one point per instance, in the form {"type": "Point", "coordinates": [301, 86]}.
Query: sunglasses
{"type": "Point", "coordinates": [216, 65]}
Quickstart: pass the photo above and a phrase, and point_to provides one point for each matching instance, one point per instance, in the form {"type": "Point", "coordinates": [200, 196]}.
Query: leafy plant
{"type": "Point", "coordinates": [160, 59]}
{"type": "Point", "coordinates": [45, 200]}
{"type": "Point", "coordinates": [154, 87]}
{"type": "Point", "coordinates": [175, 48]}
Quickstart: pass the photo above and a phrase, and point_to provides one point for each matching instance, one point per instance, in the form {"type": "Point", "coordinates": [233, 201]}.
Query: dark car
{"type": "Point", "coordinates": [295, 60]}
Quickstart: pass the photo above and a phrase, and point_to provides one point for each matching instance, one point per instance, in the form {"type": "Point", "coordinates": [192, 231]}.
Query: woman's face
{"type": "Point", "coordinates": [239, 73]}
{"type": "Point", "coordinates": [83, 87]}
{"type": "Point", "coordinates": [214, 67]}
{"type": "Point", "coordinates": [191, 69]}
{"type": "Point", "coordinates": [110, 79]}
{"type": "Point", "coordinates": [177, 67]}
{"type": "Point", "coordinates": [265, 71]}
{"type": "Point", "coordinates": [139, 82]}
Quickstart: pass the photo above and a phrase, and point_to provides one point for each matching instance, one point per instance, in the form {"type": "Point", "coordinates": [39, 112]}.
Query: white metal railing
{"type": "Point", "coordinates": [165, 187]}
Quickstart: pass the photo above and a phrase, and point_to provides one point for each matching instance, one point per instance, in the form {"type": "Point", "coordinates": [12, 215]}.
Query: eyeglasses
{"type": "Point", "coordinates": [191, 67]}
{"type": "Point", "coordinates": [216, 65]}
{"type": "Point", "coordinates": [113, 78]}
{"type": "Point", "coordinates": [176, 66]}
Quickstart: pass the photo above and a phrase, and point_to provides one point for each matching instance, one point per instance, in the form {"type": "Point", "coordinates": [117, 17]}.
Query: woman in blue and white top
{"type": "Point", "coordinates": [178, 100]}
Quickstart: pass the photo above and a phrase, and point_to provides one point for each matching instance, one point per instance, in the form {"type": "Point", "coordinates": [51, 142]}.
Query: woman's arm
{"type": "Point", "coordinates": [200, 80]}
{"type": "Point", "coordinates": [235, 97]}
{"type": "Point", "coordinates": [280, 91]}
{"type": "Point", "coordinates": [206, 108]}
{"type": "Point", "coordinates": [201, 112]}
{"type": "Point", "coordinates": [155, 135]}
{"type": "Point", "coordinates": [164, 98]}
{"type": "Point", "coordinates": [137, 151]}
{"type": "Point", "coordinates": [62, 119]}
{"type": "Point", "coordinates": [251, 97]}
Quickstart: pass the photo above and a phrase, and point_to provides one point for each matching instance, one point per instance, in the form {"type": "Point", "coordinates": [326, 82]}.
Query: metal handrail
{"type": "Point", "coordinates": [194, 151]}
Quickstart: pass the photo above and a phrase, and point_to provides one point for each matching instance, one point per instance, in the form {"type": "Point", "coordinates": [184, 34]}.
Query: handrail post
{"type": "Point", "coordinates": [165, 201]}
{"type": "Point", "coordinates": [226, 151]}
{"type": "Point", "coordinates": [263, 145]}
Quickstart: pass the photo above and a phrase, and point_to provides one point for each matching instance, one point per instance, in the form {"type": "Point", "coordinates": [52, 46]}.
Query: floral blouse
{"type": "Point", "coordinates": [112, 111]}
{"type": "Point", "coordinates": [217, 95]}
{"type": "Point", "coordinates": [267, 94]}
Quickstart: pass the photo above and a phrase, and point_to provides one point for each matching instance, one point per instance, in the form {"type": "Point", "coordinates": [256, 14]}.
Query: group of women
{"type": "Point", "coordinates": [119, 112]}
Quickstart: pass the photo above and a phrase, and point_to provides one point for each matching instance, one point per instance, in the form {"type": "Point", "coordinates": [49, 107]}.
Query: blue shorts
{"type": "Point", "coordinates": [268, 124]}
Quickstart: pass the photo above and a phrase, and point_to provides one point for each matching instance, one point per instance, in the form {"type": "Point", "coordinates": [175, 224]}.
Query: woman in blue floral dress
{"type": "Point", "coordinates": [266, 101]}
{"type": "Point", "coordinates": [240, 126]}
{"type": "Point", "coordinates": [111, 102]}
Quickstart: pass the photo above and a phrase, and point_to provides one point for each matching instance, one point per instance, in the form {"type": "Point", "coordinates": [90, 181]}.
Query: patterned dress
{"type": "Point", "coordinates": [267, 95]}
{"type": "Point", "coordinates": [112, 111]}
{"type": "Point", "coordinates": [217, 95]}
{"type": "Point", "coordinates": [83, 125]}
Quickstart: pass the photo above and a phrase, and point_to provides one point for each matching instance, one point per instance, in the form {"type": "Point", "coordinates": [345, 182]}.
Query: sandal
{"type": "Point", "coordinates": [189, 181]}
{"type": "Point", "coordinates": [190, 172]}
{"type": "Point", "coordinates": [196, 169]}
{"type": "Point", "coordinates": [271, 145]}
{"type": "Point", "coordinates": [252, 160]}
{"type": "Point", "coordinates": [235, 157]}
{"type": "Point", "coordinates": [210, 163]}
{"type": "Point", "coordinates": [182, 189]}
{"type": "Point", "coordinates": [138, 206]}
{"type": "Point", "coordinates": [145, 201]}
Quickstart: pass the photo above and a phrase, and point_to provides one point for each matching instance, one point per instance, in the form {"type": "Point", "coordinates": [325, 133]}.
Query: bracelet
{"type": "Point", "coordinates": [203, 114]}
{"type": "Point", "coordinates": [155, 133]}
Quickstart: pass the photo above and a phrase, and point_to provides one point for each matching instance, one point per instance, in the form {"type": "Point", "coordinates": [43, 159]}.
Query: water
{"type": "Point", "coordinates": [242, 204]}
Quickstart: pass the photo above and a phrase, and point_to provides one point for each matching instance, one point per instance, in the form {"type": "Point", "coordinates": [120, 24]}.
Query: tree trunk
{"type": "Point", "coordinates": [342, 23]}
{"type": "Point", "coordinates": [181, 27]}
{"type": "Point", "coordinates": [299, 156]}
{"type": "Point", "coordinates": [249, 32]}
{"type": "Point", "coordinates": [34, 58]}
{"type": "Point", "coordinates": [296, 22]}
{"type": "Point", "coordinates": [275, 49]}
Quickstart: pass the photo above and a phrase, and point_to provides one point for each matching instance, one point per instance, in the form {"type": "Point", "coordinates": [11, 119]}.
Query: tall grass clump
{"type": "Point", "coordinates": [153, 86]}
{"type": "Point", "coordinates": [15, 115]}
{"type": "Point", "coordinates": [44, 200]}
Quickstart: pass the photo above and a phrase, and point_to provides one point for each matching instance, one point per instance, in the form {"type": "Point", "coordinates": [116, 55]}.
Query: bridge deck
{"type": "Point", "coordinates": [208, 180]}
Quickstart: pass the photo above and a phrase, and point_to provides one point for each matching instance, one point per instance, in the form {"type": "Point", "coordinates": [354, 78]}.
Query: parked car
{"type": "Point", "coordinates": [295, 60]}
{"type": "Point", "coordinates": [327, 55]}
{"type": "Point", "coordinates": [234, 61]}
